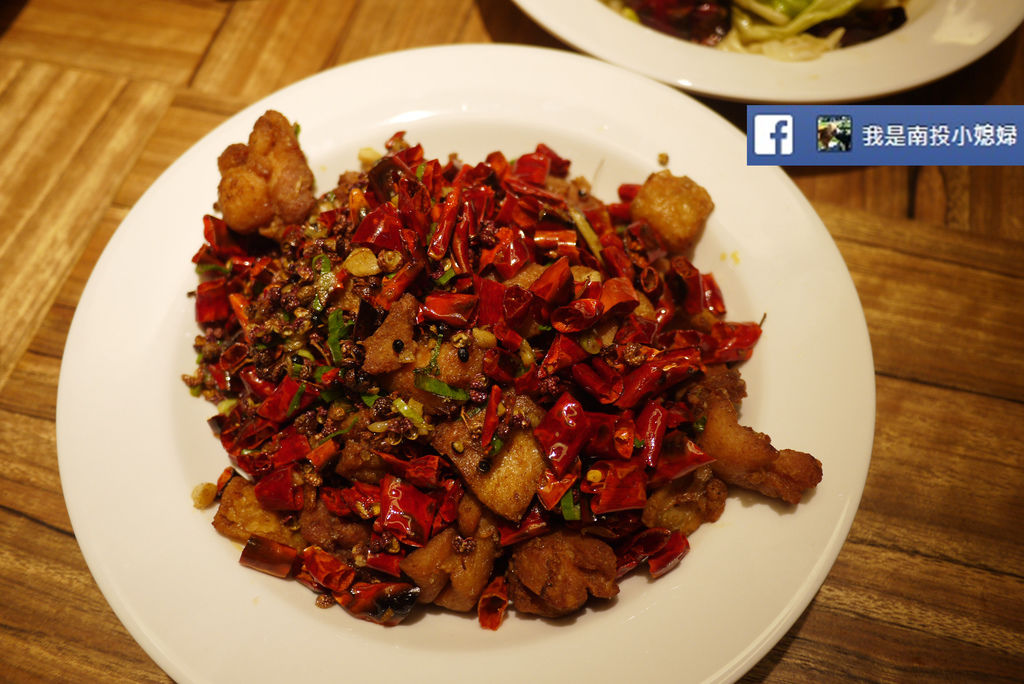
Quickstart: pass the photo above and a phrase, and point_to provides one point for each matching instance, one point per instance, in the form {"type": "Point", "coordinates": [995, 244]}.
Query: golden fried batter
{"type": "Point", "coordinates": [747, 458]}
{"type": "Point", "coordinates": [266, 184]}
{"type": "Point", "coordinates": [675, 206]}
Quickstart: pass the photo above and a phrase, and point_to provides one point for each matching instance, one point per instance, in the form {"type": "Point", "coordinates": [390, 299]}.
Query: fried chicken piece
{"type": "Point", "coordinates": [744, 457]}
{"type": "Point", "coordinates": [392, 344]}
{"type": "Point", "coordinates": [675, 206]}
{"type": "Point", "coordinates": [554, 575]}
{"type": "Point", "coordinates": [455, 566]}
{"type": "Point", "coordinates": [686, 503]}
{"type": "Point", "coordinates": [266, 184]}
{"type": "Point", "coordinates": [321, 527]}
{"type": "Point", "coordinates": [240, 516]}
{"type": "Point", "coordinates": [508, 481]}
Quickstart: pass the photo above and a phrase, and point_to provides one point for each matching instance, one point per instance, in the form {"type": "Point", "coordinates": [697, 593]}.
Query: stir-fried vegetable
{"type": "Point", "coordinates": [783, 29]}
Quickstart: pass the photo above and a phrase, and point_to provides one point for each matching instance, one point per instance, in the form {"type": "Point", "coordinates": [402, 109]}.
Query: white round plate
{"type": "Point", "coordinates": [940, 36]}
{"type": "Point", "coordinates": [132, 442]}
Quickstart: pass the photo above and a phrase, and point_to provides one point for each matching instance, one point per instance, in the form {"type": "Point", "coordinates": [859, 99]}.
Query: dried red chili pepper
{"type": "Point", "coordinates": [563, 353]}
{"type": "Point", "coordinates": [380, 229]}
{"type": "Point", "coordinates": [729, 342]}
{"type": "Point", "coordinates": [328, 571]}
{"type": "Point", "coordinates": [628, 191]}
{"type": "Point", "coordinates": [269, 556]}
{"type": "Point", "coordinates": [562, 432]}
{"type": "Point", "coordinates": [548, 238]}
{"type": "Point", "coordinates": [658, 374]}
{"type": "Point", "coordinates": [490, 423]}
{"type": "Point", "coordinates": [363, 499]}
{"type": "Point", "coordinates": [462, 254]}
{"type": "Point", "coordinates": [577, 315]}
{"type": "Point", "coordinates": [291, 447]}
{"type": "Point", "coordinates": [615, 485]}
{"type": "Point", "coordinates": [212, 301]}
{"type": "Point", "coordinates": [651, 425]}
{"type": "Point", "coordinates": [385, 561]}
{"type": "Point", "coordinates": [448, 505]}
{"type": "Point", "coordinates": [509, 256]}
{"type": "Point", "coordinates": [257, 386]}
{"type": "Point", "coordinates": [405, 511]}
{"type": "Point", "coordinates": [445, 225]}
{"type": "Point", "coordinates": [674, 550]}
{"type": "Point", "coordinates": [277, 490]}
{"type": "Point", "coordinates": [385, 603]}
{"type": "Point", "coordinates": [490, 609]}
{"type": "Point", "coordinates": [424, 471]}
{"type": "Point", "coordinates": [221, 241]}
{"type": "Point", "coordinates": [702, 292]}
{"type": "Point", "coordinates": [501, 366]}
{"type": "Point", "coordinates": [552, 487]}
{"type": "Point", "coordinates": [533, 524]}
{"type": "Point", "coordinates": [651, 282]}
{"type": "Point", "coordinates": [322, 453]}
{"type": "Point", "coordinates": [492, 295]}
{"type": "Point", "coordinates": [636, 329]}
{"type": "Point", "coordinates": [448, 307]}
{"type": "Point", "coordinates": [639, 547]}
{"type": "Point", "coordinates": [334, 501]}
{"type": "Point", "coordinates": [554, 286]}
{"type": "Point", "coordinates": [290, 397]}
{"type": "Point", "coordinates": [392, 288]}
{"type": "Point", "coordinates": [618, 297]}
{"type": "Point", "coordinates": [559, 165]}
{"type": "Point", "coordinates": [532, 168]}
{"type": "Point", "coordinates": [225, 476]}
{"type": "Point", "coordinates": [676, 462]}
{"type": "Point", "coordinates": [605, 389]}
{"type": "Point", "coordinates": [517, 305]}
{"type": "Point", "coordinates": [611, 435]}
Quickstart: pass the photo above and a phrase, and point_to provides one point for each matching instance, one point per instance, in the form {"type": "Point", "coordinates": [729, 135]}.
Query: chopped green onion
{"type": "Point", "coordinates": [570, 509]}
{"type": "Point", "coordinates": [698, 425]}
{"type": "Point", "coordinates": [637, 444]}
{"type": "Point", "coordinates": [321, 262]}
{"type": "Point", "coordinates": [431, 384]}
{"type": "Point", "coordinates": [293, 405]}
{"type": "Point", "coordinates": [413, 411]}
{"type": "Point", "coordinates": [338, 327]}
{"type": "Point", "coordinates": [225, 405]}
{"type": "Point", "coordinates": [496, 445]}
{"type": "Point", "coordinates": [306, 354]}
{"type": "Point", "coordinates": [343, 431]}
{"type": "Point", "coordinates": [329, 394]}
{"type": "Point", "coordinates": [445, 277]}
{"type": "Point", "coordinates": [369, 399]}
{"type": "Point", "coordinates": [431, 368]}
{"type": "Point", "coordinates": [583, 226]}
{"type": "Point", "coordinates": [207, 268]}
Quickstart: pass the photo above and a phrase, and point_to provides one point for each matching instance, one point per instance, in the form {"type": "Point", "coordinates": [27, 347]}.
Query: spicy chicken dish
{"type": "Point", "coordinates": [471, 385]}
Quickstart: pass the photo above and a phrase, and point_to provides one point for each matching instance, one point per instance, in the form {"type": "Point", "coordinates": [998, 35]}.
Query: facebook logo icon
{"type": "Point", "coordinates": [773, 134]}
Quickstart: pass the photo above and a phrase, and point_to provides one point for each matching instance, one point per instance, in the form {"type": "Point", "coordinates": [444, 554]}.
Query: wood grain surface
{"type": "Point", "coordinates": [98, 97]}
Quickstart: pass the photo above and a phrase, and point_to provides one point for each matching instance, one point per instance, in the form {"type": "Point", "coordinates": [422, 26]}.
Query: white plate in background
{"type": "Point", "coordinates": [940, 37]}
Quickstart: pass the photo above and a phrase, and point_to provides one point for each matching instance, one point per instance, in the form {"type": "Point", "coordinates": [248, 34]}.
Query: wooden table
{"type": "Point", "coordinates": [98, 97]}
